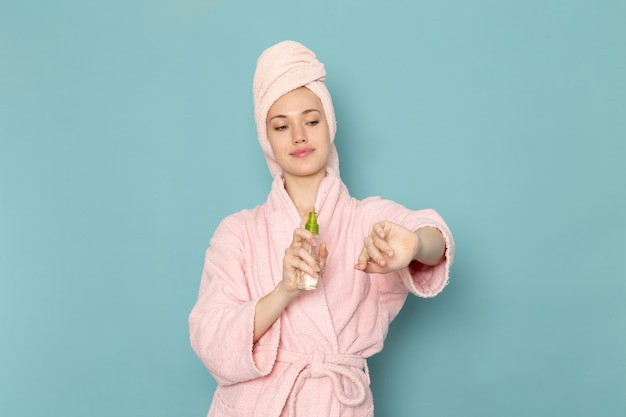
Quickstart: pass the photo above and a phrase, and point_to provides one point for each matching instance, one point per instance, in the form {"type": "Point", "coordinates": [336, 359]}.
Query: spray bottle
{"type": "Point", "coordinates": [306, 281]}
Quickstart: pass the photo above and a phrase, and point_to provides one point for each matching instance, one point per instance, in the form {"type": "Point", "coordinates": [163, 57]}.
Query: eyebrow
{"type": "Point", "coordinates": [282, 116]}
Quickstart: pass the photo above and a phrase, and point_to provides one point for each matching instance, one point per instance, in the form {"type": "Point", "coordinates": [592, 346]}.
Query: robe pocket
{"type": "Point", "coordinates": [232, 410]}
{"type": "Point", "coordinates": [370, 411]}
{"type": "Point", "coordinates": [243, 399]}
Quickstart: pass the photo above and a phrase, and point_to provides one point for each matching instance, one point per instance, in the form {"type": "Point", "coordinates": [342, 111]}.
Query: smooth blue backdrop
{"type": "Point", "coordinates": [126, 135]}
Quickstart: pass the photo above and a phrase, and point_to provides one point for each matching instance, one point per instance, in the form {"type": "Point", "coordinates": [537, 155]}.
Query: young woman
{"type": "Point", "coordinates": [274, 349]}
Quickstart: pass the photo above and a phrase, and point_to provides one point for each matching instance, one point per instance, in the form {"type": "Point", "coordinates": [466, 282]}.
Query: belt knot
{"type": "Point", "coordinates": [348, 375]}
{"type": "Point", "coordinates": [317, 364]}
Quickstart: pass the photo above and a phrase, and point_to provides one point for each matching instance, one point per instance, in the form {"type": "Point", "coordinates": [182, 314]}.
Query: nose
{"type": "Point", "coordinates": [299, 135]}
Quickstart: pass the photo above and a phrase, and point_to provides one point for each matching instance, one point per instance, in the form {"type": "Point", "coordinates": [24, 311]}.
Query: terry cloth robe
{"type": "Point", "coordinates": [311, 361]}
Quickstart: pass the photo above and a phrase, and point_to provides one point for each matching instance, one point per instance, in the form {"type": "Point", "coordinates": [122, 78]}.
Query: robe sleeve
{"type": "Point", "coordinates": [425, 281]}
{"type": "Point", "coordinates": [221, 324]}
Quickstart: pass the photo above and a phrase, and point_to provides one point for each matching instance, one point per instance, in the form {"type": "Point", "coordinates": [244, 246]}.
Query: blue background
{"type": "Point", "coordinates": [127, 134]}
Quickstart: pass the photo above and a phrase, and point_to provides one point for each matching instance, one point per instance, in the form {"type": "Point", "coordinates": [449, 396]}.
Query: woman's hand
{"type": "Point", "coordinates": [390, 247]}
{"type": "Point", "coordinates": [298, 260]}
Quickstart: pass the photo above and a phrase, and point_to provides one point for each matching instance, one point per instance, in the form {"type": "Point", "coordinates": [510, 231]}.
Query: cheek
{"type": "Point", "coordinates": [326, 141]}
{"type": "Point", "coordinates": [272, 141]}
{"type": "Point", "coordinates": [324, 149]}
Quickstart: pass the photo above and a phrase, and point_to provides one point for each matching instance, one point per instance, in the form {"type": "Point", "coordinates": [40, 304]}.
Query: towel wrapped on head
{"type": "Point", "coordinates": [282, 68]}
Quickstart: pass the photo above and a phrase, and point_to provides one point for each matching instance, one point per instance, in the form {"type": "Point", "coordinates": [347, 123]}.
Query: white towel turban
{"type": "Point", "coordinates": [282, 68]}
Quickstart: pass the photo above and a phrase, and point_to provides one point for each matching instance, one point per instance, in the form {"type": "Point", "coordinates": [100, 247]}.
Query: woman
{"type": "Point", "coordinates": [273, 349]}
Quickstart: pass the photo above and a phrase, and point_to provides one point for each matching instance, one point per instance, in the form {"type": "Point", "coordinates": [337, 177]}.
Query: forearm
{"type": "Point", "coordinates": [431, 246]}
{"type": "Point", "coordinates": [270, 307]}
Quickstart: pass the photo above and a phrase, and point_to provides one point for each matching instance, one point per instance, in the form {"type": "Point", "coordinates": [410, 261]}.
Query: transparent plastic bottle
{"type": "Point", "coordinates": [306, 281]}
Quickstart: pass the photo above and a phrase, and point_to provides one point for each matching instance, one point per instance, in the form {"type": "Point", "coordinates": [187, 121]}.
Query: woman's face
{"type": "Point", "coordinates": [297, 131]}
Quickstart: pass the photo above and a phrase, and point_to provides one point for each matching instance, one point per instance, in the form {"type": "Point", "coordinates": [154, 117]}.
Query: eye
{"type": "Point", "coordinates": [280, 128]}
{"type": "Point", "coordinates": [313, 123]}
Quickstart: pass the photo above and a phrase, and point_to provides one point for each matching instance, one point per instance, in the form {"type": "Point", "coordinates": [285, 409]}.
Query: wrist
{"type": "Point", "coordinates": [431, 246]}
{"type": "Point", "coordinates": [419, 244]}
{"type": "Point", "coordinates": [285, 293]}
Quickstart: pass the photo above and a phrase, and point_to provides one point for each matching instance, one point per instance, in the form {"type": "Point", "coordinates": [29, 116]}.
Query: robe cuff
{"type": "Point", "coordinates": [265, 350]}
{"type": "Point", "coordinates": [428, 281]}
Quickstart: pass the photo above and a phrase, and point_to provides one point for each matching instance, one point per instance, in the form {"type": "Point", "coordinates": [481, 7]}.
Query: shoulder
{"type": "Point", "coordinates": [376, 205]}
{"type": "Point", "coordinates": [236, 224]}
{"type": "Point", "coordinates": [377, 208]}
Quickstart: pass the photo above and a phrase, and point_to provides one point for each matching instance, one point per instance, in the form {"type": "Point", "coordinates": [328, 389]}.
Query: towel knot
{"type": "Point", "coordinates": [348, 374]}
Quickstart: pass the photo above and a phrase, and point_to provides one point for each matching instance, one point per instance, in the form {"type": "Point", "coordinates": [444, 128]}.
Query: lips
{"type": "Point", "coordinates": [302, 152]}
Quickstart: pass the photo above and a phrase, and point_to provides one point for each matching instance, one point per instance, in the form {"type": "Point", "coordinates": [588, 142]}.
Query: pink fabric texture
{"type": "Point", "coordinates": [280, 69]}
{"type": "Point", "coordinates": [312, 361]}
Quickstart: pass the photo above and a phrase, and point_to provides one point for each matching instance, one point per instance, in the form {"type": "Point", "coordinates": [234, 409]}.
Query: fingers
{"type": "Point", "coordinates": [298, 259]}
{"type": "Point", "coordinates": [376, 252]}
{"type": "Point", "coordinates": [305, 217]}
{"type": "Point", "coordinates": [362, 260]}
{"type": "Point", "coordinates": [379, 238]}
{"type": "Point", "coordinates": [300, 236]}
{"type": "Point", "coordinates": [372, 268]}
{"type": "Point", "coordinates": [367, 264]}
{"type": "Point", "coordinates": [323, 256]}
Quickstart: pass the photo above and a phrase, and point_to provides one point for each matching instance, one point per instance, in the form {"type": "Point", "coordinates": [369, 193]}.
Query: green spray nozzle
{"type": "Point", "coordinates": [311, 224]}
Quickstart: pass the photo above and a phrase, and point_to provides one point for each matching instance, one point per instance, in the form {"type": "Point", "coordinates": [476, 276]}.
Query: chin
{"type": "Point", "coordinates": [303, 173]}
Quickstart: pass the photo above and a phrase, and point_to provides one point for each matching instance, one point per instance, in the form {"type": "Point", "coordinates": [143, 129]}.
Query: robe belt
{"type": "Point", "coordinates": [317, 365]}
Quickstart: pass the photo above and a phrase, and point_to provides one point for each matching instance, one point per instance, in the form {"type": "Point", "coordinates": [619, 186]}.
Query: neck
{"type": "Point", "coordinates": [303, 190]}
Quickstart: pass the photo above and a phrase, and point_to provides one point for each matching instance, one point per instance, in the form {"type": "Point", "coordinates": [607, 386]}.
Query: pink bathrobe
{"type": "Point", "coordinates": [311, 362]}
